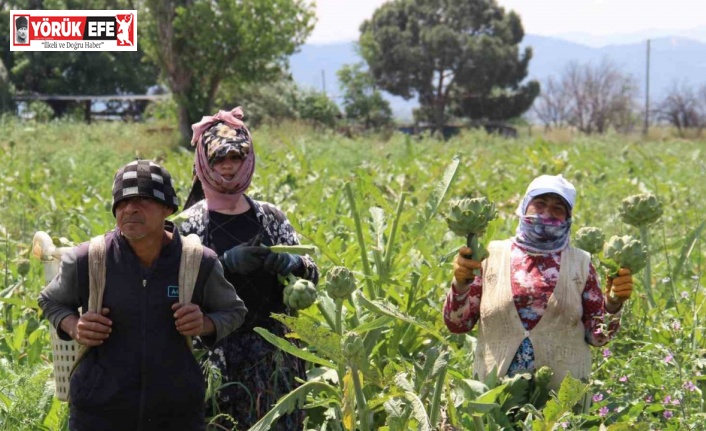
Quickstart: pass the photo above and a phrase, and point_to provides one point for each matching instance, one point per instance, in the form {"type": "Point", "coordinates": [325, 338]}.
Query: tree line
{"type": "Point", "coordinates": [194, 48]}
{"type": "Point", "coordinates": [459, 58]}
{"type": "Point", "coordinates": [595, 98]}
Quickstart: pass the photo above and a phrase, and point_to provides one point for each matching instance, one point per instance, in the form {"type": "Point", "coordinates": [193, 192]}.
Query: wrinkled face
{"type": "Point", "coordinates": [227, 166]}
{"type": "Point", "coordinates": [548, 205]}
{"type": "Point", "coordinates": [141, 217]}
{"type": "Point", "coordinates": [22, 33]}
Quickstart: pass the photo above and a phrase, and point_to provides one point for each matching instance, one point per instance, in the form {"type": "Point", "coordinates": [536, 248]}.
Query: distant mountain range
{"type": "Point", "coordinates": [697, 33]}
{"type": "Point", "coordinates": [674, 60]}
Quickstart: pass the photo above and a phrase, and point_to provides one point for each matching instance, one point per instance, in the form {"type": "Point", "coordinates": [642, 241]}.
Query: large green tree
{"type": "Point", "coordinates": [199, 44]}
{"type": "Point", "coordinates": [459, 57]}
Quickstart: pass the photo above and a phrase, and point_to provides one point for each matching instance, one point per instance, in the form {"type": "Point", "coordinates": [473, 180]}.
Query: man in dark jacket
{"type": "Point", "coordinates": [139, 373]}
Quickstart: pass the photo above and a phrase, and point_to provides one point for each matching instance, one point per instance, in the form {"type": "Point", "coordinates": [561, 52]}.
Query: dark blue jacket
{"type": "Point", "coordinates": [144, 377]}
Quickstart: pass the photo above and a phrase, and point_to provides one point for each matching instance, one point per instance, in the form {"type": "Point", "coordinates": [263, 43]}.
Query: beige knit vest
{"type": "Point", "coordinates": [559, 337]}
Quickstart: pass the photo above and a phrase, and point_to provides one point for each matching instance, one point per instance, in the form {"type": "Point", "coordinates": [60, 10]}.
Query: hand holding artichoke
{"type": "Point", "coordinates": [624, 256]}
{"type": "Point", "coordinates": [464, 268]}
{"type": "Point", "coordinates": [624, 252]}
{"type": "Point", "coordinates": [470, 218]}
{"type": "Point", "coordinates": [619, 288]}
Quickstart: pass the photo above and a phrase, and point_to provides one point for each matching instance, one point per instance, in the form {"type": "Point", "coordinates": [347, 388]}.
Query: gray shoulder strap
{"type": "Point", "coordinates": [191, 254]}
{"type": "Point", "coordinates": [96, 273]}
{"type": "Point", "coordinates": [96, 286]}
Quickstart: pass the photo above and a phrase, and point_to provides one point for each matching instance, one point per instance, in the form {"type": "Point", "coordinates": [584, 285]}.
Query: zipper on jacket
{"type": "Point", "coordinates": [144, 283]}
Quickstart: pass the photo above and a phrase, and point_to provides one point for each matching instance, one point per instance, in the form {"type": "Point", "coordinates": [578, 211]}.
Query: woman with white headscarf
{"type": "Point", "coordinates": [239, 229]}
{"type": "Point", "coordinates": [537, 300]}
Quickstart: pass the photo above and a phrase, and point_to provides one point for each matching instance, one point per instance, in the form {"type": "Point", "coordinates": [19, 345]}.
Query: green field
{"type": "Point", "coordinates": [57, 177]}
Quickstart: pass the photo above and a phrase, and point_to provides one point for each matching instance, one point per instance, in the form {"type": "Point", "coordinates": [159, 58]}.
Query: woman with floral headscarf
{"type": "Point", "coordinates": [255, 373]}
{"type": "Point", "coordinates": [537, 300]}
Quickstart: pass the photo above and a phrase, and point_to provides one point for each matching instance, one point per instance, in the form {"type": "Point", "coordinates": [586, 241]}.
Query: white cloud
{"type": "Point", "coordinates": [339, 20]}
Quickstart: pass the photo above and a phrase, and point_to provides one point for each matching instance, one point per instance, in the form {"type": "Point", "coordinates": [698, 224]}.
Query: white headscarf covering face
{"type": "Point", "coordinates": [548, 184]}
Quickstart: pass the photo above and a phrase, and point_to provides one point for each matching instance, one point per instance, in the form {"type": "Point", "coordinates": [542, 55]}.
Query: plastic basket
{"type": "Point", "coordinates": [65, 353]}
{"type": "Point", "coordinates": [64, 357]}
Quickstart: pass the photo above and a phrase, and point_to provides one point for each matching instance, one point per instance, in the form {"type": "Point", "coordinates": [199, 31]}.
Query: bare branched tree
{"type": "Point", "coordinates": [591, 98]}
{"type": "Point", "coordinates": [552, 107]}
{"type": "Point", "coordinates": [701, 106]}
{"type": "Point", "coordinates": [682, 108]}
{"type": "Point", "coordinates": [601, 97]}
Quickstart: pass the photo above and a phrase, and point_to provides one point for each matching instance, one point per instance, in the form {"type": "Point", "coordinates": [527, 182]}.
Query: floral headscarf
{"type": "Point", "coordinates": [214, 137]}
{"type": "Point", "coordinates": [221, 139]}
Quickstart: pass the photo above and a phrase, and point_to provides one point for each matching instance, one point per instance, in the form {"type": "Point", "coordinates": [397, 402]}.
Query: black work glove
{"type": "Point", "coordinates": [245, 258]}
{"type": "Point", "coordinates": [282, 263]}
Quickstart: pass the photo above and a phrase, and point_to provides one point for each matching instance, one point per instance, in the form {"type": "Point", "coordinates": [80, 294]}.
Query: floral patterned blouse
{"type": "Point", "coordinates": [533, 279]}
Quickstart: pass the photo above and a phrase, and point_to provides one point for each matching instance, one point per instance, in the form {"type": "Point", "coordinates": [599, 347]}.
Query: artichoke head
{"type": "Point", "coordinates": [626, 251]}
{"type": "Point", "coordinates": [590, 239]}
{"type": "Point", "coordinates": [353, 348]}
{"type": "Point", "coordinates": [470, 216]}
{"type": "Point", "coordinates": [543, 376]}
{"type": "Point", "coordinates": [23, 267]}
{"type": "Point", "coordinates": [300, 294]}
{"type": "Point", "coordinates": [340, 282]}
{"type": "Point", "coordinates": [641, 210]}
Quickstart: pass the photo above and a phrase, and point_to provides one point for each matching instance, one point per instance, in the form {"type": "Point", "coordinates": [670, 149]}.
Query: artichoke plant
{"type": "Point", "coordinates": [23, 267]}
{"type": "Point", "coordinates": [340, 282]}
{"type": "Point", "coordinates": [353, 348]}
{"type": "Point", "coordinates": [625, 252]}
{"type": "Point", "coordinates": [590, 239]}
{"type": "Point", "coordinates": [299, 294]}
{"type": "Point", "coordinates": [470, 218]}
{"type": "Point", "coordinates": [543, 376]}
{"type": "Point", "coordinates": [641, 210]}
{"type": "Point", "coordinates": [541, 386]}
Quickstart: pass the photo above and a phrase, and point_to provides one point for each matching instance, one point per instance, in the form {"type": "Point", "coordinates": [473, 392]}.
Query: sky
{"type": "Point", "coordinates": [339, 20]}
